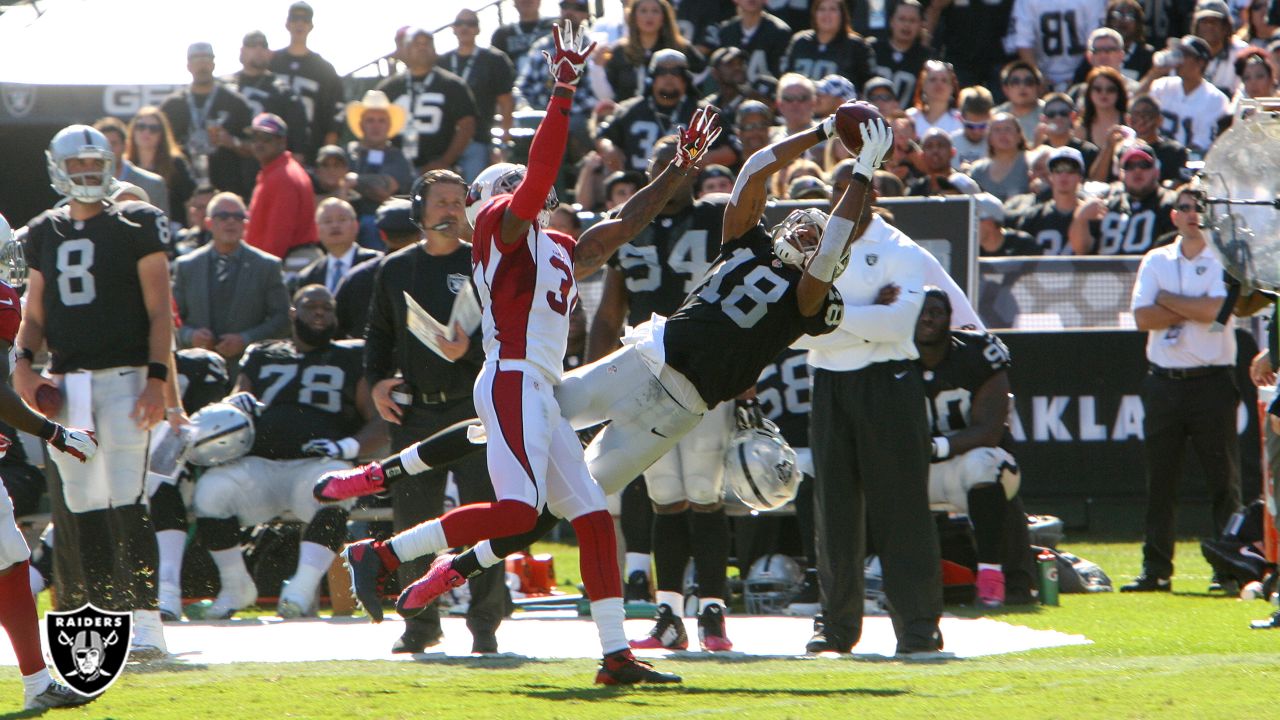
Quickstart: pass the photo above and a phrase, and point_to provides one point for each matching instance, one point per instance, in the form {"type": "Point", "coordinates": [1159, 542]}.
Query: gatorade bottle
{"type": "Point", "coordinates": [1048, 565]}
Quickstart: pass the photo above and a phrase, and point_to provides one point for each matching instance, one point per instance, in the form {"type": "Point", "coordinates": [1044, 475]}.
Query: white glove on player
{"type": "Point", "coordinates": [79, 444]}
{"type": "Point", "coordinates": [348, 448]}
{"type": "Point", "coordinates": [829, 126]}
{"type": "Point", "coordinates": [877, 140]}
{"type": "Point", "coordinates": [247, 402]}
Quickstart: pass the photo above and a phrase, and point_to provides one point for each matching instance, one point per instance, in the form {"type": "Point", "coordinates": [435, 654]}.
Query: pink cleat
{"type": "Point", "coordinates": [991, 588]}
{"type": "Point", "coordinates": [440, 578]}
{"type": "Point", "coordinates": [356, 482]}
{"type": "Point", "coordinates": [711, 634]}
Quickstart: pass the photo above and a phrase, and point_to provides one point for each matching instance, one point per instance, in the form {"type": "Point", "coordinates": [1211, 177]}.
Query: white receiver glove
{"type": "Point", "coordinates": [877, 140]}
{"type": "Point", "coordinates": [348, 448]}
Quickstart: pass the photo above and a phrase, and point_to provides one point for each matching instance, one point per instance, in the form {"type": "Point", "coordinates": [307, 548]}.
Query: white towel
{"type": "Point", "coordinates": [77, 387]}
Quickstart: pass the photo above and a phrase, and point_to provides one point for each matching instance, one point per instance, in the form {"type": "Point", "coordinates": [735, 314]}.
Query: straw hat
{"type": "Point", "coordinates": [374, 100]}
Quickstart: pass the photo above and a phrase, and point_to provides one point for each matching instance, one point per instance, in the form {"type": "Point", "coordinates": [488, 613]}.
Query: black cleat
{"type": "Point", "coordinates": [668, 632]}
{"type": "Point", "coordinates": [1147, 583]}
{"type": "Point", "coordinates": [711, 634]}
{"type": "Point", "coordinates": [58, 695]}
{"type": "Point", "coordinates": [1272, 623]}
{"type": "Point", "coordinates": [412, 642]}
{"type": "Point", "coordinates": [484, 642]}
{"type": "Point", "coordinates": [622, 668]}
{"type": "Point", "coordinates": [826, 639]}
{"type": "Point", "coordinates": [637, 588]}
{"type": "Point", "coordinates": [367, 572]}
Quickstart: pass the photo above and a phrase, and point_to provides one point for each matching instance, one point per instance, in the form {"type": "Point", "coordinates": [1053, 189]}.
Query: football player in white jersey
{"type": "Point", "coordinates": [1053, 34]}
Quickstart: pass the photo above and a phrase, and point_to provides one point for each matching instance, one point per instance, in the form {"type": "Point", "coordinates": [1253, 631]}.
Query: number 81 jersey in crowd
{"type": "Point", "coordinates": [95, 315]}
{"type": "Point", "coordinates": [526, 291]}
{"type": "Point", "coordinates": [741, 318]}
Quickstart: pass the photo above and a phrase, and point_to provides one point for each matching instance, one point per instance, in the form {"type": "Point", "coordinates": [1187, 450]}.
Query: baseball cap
{"type": "Point", "coordinates": [395, 217]}
{"type": "Point", "coordinates": [254, 38]}
{"type": "Point", "coordinates": [988, 207]}
{"type": "Point", "coordinates": [668, 56]}
{"type": "Point", "coordinates": [725, 54]}
{"type": "Point", "coordinates": [1137, 152]}
{"type": "Point", "coordinates": [301, 9]}
{"type": "Point", "coordinates": [331, 151]}
{"type": "Point", "coordinates": [808, 187]}
{"type": "Point", "coordinates": [837, 85]}
{"type": "Point", "coordinates": [1215, 9]}
{"type": "Point", "coordinates": [876, 83]}
{"type": "Point", "coordinates": [271, 124]}
{"type": "Point", "coordinates": [1195, 46]}
{"type": "Point", "coordinates": [717, 171]}
{"type": "Point", "coordinates": [199, 49]}
{"type": "Point", "coordinates": [575, 4]}
{"type": "Point", "coordinates": [1066, 152]}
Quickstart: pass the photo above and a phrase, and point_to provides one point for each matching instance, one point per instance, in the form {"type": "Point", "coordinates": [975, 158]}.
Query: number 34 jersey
{"type": "Point", "coordinates": [95, 316]}
{"type": "Point", "coordinates": [667, 260]}
{"type": "Point", "coordinates": [740, 318]}
{"type": "Point", "coordinates": [309, 396]}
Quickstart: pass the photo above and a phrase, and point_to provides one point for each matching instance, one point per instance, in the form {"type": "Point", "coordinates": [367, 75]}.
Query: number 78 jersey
{"type": "Point", "coordinates": [526, 291]}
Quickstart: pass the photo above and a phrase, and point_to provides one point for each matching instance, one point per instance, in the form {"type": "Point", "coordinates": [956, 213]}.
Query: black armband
{"type": "Point", "coordinates": [27, 354]}
{"type": "Point", "coordinates": [157, 371]}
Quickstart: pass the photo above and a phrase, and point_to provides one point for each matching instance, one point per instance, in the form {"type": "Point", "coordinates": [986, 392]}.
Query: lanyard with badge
{"type": "Point", "coordinates": [412, 90]}
{"type": "Point", "coordinates": [1173, 332]}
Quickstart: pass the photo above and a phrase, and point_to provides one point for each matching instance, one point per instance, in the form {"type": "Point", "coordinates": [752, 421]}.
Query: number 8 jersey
{"type": "Point", "coordinates": [742, 316]}
{"type": "Point", "coordinates": [95, 315]}
{"type": "Point", "coordinates": [526, 291]}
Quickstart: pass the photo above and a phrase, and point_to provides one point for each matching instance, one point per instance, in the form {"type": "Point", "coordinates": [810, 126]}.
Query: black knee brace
{"type": "Point", "coordinates": [167, 509]}
{"type": "Point", "coordinates": [328, 528]}
{"type": "Point", "coordinates": [218, 533]}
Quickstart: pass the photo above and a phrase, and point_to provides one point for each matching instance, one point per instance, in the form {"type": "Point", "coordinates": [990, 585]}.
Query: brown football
{"type": "Point", "coordinates": [849, 117]}
{"type": "Point", "coordinates": [49, 400]}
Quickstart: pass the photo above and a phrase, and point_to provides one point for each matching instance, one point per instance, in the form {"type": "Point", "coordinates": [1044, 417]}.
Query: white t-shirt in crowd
{"type": "Point", "coordinates": [1191, 119]}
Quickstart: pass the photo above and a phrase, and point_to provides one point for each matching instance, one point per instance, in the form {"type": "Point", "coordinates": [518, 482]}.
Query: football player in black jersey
{"type": "Point", "coordinates": [98, 296]}
{"type": "Point", "coordinates": [1132, 216]}
{"type": "Point", "coordinates": [763, 291]}
{"type": "Point", "coordinates": [966, 381]}
{"type": "Point", "coordinates": [312, 414]}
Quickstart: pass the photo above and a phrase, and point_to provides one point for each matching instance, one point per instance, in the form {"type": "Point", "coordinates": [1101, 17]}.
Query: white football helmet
{"type": "Point", "coordinates": [502, 179]}
{"type": "Point", "coordinates": [219, 433]}
{"type": "Point", "coordinates": [80, 141]}
{"type": "Point", "coordinates": [13, 260]}
{"type": "Point", "coordinates": [760, 467]}
{"type": "Point", "coordinates": [772, 583]}
{"type": "Point", "coordinates": [792, 243]}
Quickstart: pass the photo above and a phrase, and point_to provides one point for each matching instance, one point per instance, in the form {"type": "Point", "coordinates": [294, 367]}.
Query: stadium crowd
{"type": "Point", "coordinates": [292, 211]}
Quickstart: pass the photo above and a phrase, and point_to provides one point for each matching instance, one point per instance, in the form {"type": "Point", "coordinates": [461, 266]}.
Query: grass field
{"type": "Point", "coordinates": [1185, 655]}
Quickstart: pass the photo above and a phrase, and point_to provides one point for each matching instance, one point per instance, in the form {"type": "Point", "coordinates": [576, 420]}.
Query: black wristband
{"type": "Point", "coordinates": [49, 430]}
{"type": "Point", "coordinates": [157, 371]}
{"type": "Point", "coordinates": [27, 354]}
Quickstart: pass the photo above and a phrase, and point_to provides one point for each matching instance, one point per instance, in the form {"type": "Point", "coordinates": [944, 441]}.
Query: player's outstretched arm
{"type": "Point", "coordinates": [546, 153]}
{"type": "Point", "coordinates": [604, 238]}
{"type": "Point", "coordinates": [746, 204]}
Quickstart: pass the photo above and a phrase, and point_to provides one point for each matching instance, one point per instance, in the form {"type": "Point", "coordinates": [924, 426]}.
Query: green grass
{"type": "Point", "coordinates": [1185, 655]}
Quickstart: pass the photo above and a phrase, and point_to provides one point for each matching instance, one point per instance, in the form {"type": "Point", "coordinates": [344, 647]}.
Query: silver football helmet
{"type": "Point", "coordinates": [502, 179]}
{"type": "Point", "coordinates": [13, 260]}
{"type": "Point", "coordinates": [796, 238]}
{"type": "Point", "coordinates": [760, 467]}
{"type": "Point", "coordinates": [86, 143]}
{"type": "Point", "coordinates": [219, 433]}
{"type": "Point", "coordinates": [772, 583]}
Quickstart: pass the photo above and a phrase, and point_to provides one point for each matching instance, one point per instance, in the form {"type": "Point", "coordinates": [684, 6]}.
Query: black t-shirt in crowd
{"type": "Point", "coordinates": [637, 124]}
{"type": "Point", "coordinates": [434, 283]}
{"type": "Point", "coordinates": [971, 35]}
{"type": "Point", "coordinates": [1049, 226]}
{"type": "Point", "coordinates": [308, 396]}
{"type": "Point", "coordinates": [900, 68]}
{"type": "Point", "coordinates": [202, 378]}
{"type": "Point", "coordinates": [698, 19]}
{"type": "Point", "coordinates": [489, 74]}
{"type": "Point", "coordinates": [740, 318]}
{"type": "Point", "coordinates": [269, 92]}
{"type": "Point", "coordinates": [1132, 225]}
{"type": "Point", "coordinates": [667, 260]}
{"type": "Point", "coordinates": [1015, 243]}
{"type": "Point", "coordinates": [435, 103]}
{"type": "Point", "coordinates": [228, 109]}
{"type": "Point", "coordinates": [972, 358]}
{"type": "Point", "coordinates": [764, 48]}
{"type": "Point", "coordinates": [846, 55]}
{"type": "Point", "coordinates": [516, 38]}
{"type": "Point", "coordinates": [783, 394]}
{"type": "Point", "coordinates": [95, 315]}
{"type": "Point", "coordinates": [317, 84]}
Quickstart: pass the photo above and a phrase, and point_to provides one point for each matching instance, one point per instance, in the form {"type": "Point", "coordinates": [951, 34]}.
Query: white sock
{"type": "Point", "coordinates": [989, 566]}
{"type": "Point", "coordinates": [637, 562]}
{"type": "Point", "coordinates": [704, 602]}
{"type": "Point", "coordinates": [674, 599]}
{"type": "Point", "coordinates": [35, 683]}
{"type": "Point", "coordinates": [36, 580]}
{"type": "Point", "coordinates": [231, 567]}
{"type": "Point", "coordinates": [608, 615]}
{"type": "Point", "coordinates": [313, 562]}
{"type": "Point", "coordinates": [173, 543]}
{"type": "Point", "coordinates": [315, 555]}
{"type": "Point", "coordinates": [423, 539]}
{"type": "Point", "coordinates": [411, 462]}
{"type": "Point", "coordinates": [485, 555]}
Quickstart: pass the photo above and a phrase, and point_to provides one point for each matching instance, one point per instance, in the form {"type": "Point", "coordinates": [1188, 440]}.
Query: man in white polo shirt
{"type": "Point", "coordinates": [1190, 393]}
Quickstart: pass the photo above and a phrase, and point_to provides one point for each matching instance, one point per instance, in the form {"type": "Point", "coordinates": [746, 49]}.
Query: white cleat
{"type": "Point", "coordinates": [148, 637]}
{"type": "Point", "coordinates": [294, 605]}
{"type": "Point", "coordinates": [170, 602]}
{"type": "Point", "coordinates": [229, 601]}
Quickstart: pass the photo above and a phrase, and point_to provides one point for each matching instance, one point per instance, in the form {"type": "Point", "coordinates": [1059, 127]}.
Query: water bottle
{"type": "Point", "coordinates": [1048, 565]}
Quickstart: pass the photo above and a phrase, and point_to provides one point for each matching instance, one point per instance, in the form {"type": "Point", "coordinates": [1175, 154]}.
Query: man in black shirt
{"type": "Point", "coordinates": [491, 77]}
{"type": "Point", "coordinates": [698, 22]}
{"type": "Point", "coordinates": [432, 390]}
{"type": "Point", "coordinates": [763, 37]}
{"type": "Point", "coordinates": [1132, 216]}
{"type": "Point", "coordinates": [1049, 222]}
{"type": "Point", "coordinates": [209, 121]}
{"type": "Point", "coordinates": [267, 92]}
{"type": "Point", "coordinates": [97, 266]}
{"type": "Point", "coordinates": [971, 37]}
{"type": "Point", "coordinates": [994, 239]}
{"type": "Point", "coordinates": [442, 110]}
{"type": "Point", "coordinates": [515, 39]}
{"type": "Point", "coordinates": [310, 76]}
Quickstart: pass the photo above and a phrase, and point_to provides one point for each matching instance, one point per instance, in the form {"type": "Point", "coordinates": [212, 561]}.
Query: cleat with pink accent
{"type": "Point", "coordinates": [990, 588]}
{"type": "Point", "coordinates": [356, 482]}
{"type": "Point", "coordinates": [711, 634]}
{"type": "Point", "coordinates": [667, 634]}
{"type": "Point", "coordinates": [622, 668]}
{"type": "Point", "coordinates": [440, 578]}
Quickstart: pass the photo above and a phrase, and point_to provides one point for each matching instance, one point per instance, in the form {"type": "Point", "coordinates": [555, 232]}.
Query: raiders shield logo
{"type": "Point", "coordinates": [19, 100]}
{"type": "Point", "coordinates": [1200, 269]}
{"type": "Point", "coordinates": [872, 259]}
{"type": "Point", "coordinates": [89, 646]}
{"type": "Point", "coordinates": [457, 281]}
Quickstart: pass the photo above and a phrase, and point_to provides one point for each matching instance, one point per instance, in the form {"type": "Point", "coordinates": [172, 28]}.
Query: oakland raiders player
{"type": "Point", "coordinates": [651, 275]}
{"type": "Point", "coordinates": [312, 414]}
{"type": "Point", "coordinates": [94, 266]}
{"type": "Point", "coordinates": [1135, 213]}
{"type": "Point", "coordinates": [17, 606]}
{"type": "Point", "coordinates": [764, 291]}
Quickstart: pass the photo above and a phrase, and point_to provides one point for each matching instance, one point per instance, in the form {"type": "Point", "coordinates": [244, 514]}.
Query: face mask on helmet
{"type": "Point", "coordinates": [502, 179]}
{"type": "Point", "coordinates": [760, 468]}
{"type": "Point", "coordinates": [796, 238]}
{"type": "Point", "coordinates": [13, 260]}
{"type": "Point", "coordinates": [84, 143]}
{"type": "Point", "coordinates": [771, 584]}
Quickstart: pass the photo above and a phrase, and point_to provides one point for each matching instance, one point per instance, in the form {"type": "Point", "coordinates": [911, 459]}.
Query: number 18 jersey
{"type": "Point", "coordinates": [741, 317]}
{"type": "Point", "coordinates": [526, 291]}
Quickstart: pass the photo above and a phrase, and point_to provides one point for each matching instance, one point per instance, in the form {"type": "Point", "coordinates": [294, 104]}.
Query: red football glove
{"type": "Point", "coordinates": [568, 64]}
{"type": "Point", "coordinates": [694, 140]}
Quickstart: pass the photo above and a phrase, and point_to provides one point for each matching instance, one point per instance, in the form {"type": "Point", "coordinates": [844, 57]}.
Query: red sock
{"type": "Point", "coordinates": [469, 524]}
{"type": "Point", "coordinates": [18, 616]}
{"type": "Point", "coordinates": [598, 555]}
